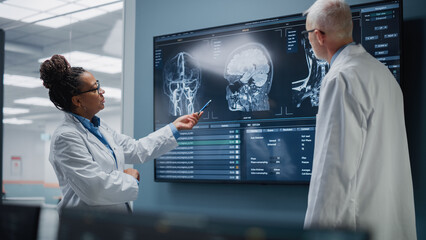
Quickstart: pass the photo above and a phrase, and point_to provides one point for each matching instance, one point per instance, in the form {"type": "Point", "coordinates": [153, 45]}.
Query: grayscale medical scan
{"type": "Point", "coordinates": [182, 78]}
{"type": "Point", "coordinates": [249, 71]}
{"type": "Point", "coordinates": [309, 87]}
{"type": "Point", "coordinates": [264, 81]}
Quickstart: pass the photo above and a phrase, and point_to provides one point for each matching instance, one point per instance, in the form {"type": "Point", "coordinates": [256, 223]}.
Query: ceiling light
{"type": "Point", "coordinates": [92, 61]}
{"type": "Point", "coordinates": [32, 11]}
{"type": "Point", "coordinates": [58, 22]}
{"type": "Point", "coordinates": [112, 7]}
{"type": "Point", "coordinates": [111, 69]}
{"type": "Point", "coordinates": [114, 93]}
{"type": "Point", "coordinates": [14, 13]}
{"type": "Point", "coordinates": [37, 101]}
{"type": "Point", "coordinates": [70, 7]}
{"type": "Point", "coordinates": [93, 3]}
{"type": "Point", "coordinates": [36, 17]}
{"type": "Point", "coordinates": [86, 14]}
{"type": "Point", "coordinates": [109, 60]}
{"type": "Point", "coordinates": [104, 64]}
{"type": "Point", "coordinates": [78, 56]}
{"type": "Point", "coordinates": [12, 111]}
{"type": "Point", "coordinates": [22, 81]}
{"type": "Point", "coordinates": [39, 5]}
{"type": "Point", "coordinates": [16, 121]}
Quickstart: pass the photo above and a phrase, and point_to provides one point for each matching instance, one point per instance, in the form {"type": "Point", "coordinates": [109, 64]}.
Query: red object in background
{"type": "Point", "coordinates": [16, 162]}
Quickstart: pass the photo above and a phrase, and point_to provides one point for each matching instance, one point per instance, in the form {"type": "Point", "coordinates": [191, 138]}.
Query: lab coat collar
{"type": "Point", "coordinates": [339, 51]}
{"type": "Point", "coordinates": [95, 122]}
{"type": "Point", "coordinates": [71, 118]}
{"type": "Point", "coordinates": [351, 49]}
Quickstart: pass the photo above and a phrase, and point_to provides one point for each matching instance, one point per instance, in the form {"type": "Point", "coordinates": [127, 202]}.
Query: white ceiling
{"type": "Point", "coordinates": [26, 44]}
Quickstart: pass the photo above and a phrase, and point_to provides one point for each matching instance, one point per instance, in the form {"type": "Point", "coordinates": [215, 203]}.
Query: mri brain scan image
{"type": "Point", "coordinates": [307, 89]}
{"type": "Point", "coordinates": [248, 71]}
{"type": "Point", "coordinates": [182, 79]}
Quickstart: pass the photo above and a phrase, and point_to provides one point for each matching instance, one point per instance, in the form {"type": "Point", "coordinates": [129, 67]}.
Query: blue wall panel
{"type": "Point", "coordinates": [283, 203]}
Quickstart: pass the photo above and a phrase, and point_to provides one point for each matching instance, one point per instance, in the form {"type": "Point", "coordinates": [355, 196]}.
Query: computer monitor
{"type": "Point", "coordinates": [90, 224]}
{"type": "Point", "coordinates": [19, 221]}
{"type": "Point", "coordinates": [264, 81]}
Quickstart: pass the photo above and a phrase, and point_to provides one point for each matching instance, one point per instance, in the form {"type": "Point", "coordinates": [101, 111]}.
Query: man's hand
{"type": "Point", "coordinates": [132, 172]}
{"type": "Point", "coordinates": [187, 122]}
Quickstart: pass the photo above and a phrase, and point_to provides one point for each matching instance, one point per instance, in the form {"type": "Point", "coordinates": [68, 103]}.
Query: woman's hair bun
{"type": "Point", "coordinates": [54, 70]}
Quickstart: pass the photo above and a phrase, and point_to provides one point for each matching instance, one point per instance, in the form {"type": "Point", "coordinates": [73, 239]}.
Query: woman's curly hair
{"type": "Point", "coordinates": [62, 80]}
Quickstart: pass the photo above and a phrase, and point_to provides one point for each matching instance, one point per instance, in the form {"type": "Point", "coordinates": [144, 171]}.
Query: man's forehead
{"type": "Point", "coordinates": [308, 22]}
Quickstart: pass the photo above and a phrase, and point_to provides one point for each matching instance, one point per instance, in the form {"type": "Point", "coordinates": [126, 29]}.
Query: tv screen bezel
{"type": "Point", "coordinates": [248, 23]}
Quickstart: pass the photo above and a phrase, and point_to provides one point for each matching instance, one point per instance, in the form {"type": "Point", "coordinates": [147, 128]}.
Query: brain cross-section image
{"type": "Point", "coordinates": [182, 79]}
{"type": "Point", "coordinates": [307, 89]}
{"type": "Point", "coordinates": [249, 72]}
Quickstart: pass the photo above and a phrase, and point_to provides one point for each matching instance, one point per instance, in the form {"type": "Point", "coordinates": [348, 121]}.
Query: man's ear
{"type": "Point", "coordinates": [76, 101]}
{"type": "Point", "coordinates": [320, 37]}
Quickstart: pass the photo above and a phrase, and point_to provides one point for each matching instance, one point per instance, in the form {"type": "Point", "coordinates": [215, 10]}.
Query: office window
{"type": "Point", "coordinates": [89, 35]}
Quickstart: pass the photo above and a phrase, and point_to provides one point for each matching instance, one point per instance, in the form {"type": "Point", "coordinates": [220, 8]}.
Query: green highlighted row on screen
{"type": "Point", "coordinates": [209, 142]}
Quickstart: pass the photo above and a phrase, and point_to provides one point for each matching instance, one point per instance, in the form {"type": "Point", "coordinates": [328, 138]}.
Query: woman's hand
{"type": "Point", "coordinates": [132, 172]}
{"type": "Point", "coordinates": [187, 122]}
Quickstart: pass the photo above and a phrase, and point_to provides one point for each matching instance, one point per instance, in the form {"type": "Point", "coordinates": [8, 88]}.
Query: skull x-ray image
{"type": "Point", "coordinates": [249, 71]}
{"type": "Point", "coordinates": [309, 87]}
{"type": "Point", "coordinates": [182, 79]}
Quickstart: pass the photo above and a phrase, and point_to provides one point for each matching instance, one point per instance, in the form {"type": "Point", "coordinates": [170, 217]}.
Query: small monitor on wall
{"type": "Point", "coordinates": [263, 80]}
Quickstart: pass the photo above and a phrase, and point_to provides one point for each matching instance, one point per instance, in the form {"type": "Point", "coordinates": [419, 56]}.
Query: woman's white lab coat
{"type": "Point", "coordinates": [361, 177]}
{"type": "Point", "coordinates": [87, 171]}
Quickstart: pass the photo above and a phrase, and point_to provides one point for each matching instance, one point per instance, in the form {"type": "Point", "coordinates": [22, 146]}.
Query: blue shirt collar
{"type": "Point", "coordinates": [95, 123]}
{"type": "Point", "coordinates": [339, 51]}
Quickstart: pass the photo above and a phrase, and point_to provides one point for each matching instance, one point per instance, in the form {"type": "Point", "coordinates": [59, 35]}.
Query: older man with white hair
{"type": "Point", "coordinates": [361, 176]}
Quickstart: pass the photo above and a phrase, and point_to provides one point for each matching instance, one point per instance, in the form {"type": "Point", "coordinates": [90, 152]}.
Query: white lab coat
{"type": "Point", "coordinates": [86, 169]}
{"type": "Point", "coordinates": [361, 177]}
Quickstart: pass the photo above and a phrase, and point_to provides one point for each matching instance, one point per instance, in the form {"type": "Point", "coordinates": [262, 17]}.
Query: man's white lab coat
{"type": "Point", "coordinates": [361, 177]}
{"type": "Point", "coordinates": [86, 169]}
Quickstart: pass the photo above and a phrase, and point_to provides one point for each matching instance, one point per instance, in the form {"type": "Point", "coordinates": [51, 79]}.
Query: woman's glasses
{"type": "Point", "coordinates": [93, 89]}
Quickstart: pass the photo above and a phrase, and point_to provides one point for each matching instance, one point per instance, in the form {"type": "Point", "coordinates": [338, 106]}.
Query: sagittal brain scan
{"type": "Point", "coordinates": [309, 87]}
{"type": "Point", "coordinates": [264, 83]}
{"type": "Point", "coordinates": [249, 71]}
{"type": "Point", "coordinates": [182, 78]}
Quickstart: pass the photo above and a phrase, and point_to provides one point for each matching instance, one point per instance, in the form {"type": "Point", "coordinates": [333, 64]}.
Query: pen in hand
{"type": "Point", "coordinates": [205, 106]}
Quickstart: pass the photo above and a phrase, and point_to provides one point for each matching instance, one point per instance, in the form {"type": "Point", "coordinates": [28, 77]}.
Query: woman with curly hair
{"type": "Point", "coordinates": [87, 155]}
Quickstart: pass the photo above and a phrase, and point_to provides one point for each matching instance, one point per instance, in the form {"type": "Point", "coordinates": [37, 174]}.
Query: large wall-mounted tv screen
{"type": "Point", "coordinates": [264, 81]}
